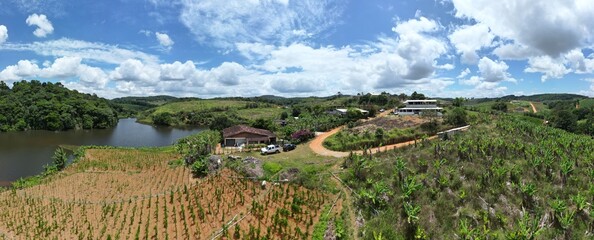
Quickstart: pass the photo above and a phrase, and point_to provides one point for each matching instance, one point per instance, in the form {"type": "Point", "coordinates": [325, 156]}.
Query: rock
{"type": "Point", "coordinates": [252, 167]}
{"type": "Point", "coordinates": [289, 175]}
{"type": "Point", "coordinates": [215, 163]}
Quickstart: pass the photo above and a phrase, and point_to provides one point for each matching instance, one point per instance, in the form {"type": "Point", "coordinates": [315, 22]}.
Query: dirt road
{"type": "Point", "coordinates": [317, 146]}
{"type": "Point", "coordinates": [533, 107]}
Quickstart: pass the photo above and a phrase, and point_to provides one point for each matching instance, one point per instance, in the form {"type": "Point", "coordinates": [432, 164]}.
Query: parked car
{"type": "Point", "coordinates": [270, 149]}
{"type": "Point", "coordinates": [289, 147]}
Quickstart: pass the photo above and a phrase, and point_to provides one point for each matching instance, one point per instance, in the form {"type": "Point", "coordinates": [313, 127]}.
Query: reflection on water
{"type": "Point", "coordinates": [24, 153]}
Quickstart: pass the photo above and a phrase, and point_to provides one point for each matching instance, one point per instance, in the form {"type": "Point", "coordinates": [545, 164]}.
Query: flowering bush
{"type": "Point", "coordinates": [302, 135]}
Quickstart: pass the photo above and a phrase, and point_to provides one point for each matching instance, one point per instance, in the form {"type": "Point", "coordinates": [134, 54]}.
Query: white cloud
{"type": "Point", "coordinates": [61, 68]}
{"type": "Point", "coordinates": [3, 34]}
{"type": "Point", "coordinates": [493, 71]}
{"type": "Point", "coordinates": [90, 51]}
{"type": "Point", "coordinates": [22, 70]}
{"type": "Point", "coordinates": [545, 64]}
{"type": "Point", "coordinates": [464, 73]}
{"type": "Point", "coordinates": [224, 23]}
{"type": "Point", "coordinates": [164, 40]}
{"type": "Point", "coordinates": [133, 70]}
{"type": "Point", "coordinates": [551, 27]}
{"type": "Point", "coordinates": [228, 73]}
{"type": "Point", "coordinates": [469, 39]}
{"type": "Point", "coordinates": [44, 26]}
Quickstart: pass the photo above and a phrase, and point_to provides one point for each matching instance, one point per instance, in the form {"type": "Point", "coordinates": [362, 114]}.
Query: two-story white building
{"type": "Point", "coordinates": [418, 107]}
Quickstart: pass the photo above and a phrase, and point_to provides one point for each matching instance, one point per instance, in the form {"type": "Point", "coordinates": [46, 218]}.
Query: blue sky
{"type": "Point", "coordinates": [213, 48]}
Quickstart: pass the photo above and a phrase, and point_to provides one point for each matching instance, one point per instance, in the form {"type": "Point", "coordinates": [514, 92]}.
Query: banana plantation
{"type": "Point", "coordinates": [503, 179]}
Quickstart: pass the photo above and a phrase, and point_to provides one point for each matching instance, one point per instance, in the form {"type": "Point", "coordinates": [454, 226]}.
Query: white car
{"type": "Point", "coordinates": [270, 149]}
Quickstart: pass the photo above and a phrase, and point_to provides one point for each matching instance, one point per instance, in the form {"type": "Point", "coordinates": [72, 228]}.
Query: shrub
{"type": "Point", "coordinates": [200, 166]}
{"type": "Point", "coordinates": [302, 135]}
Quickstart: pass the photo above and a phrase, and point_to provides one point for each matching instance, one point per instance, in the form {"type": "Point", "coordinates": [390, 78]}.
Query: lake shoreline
{"type": "Point", "coordinates": [24, 154]}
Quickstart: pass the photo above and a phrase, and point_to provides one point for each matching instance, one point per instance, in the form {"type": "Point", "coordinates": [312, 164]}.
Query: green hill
{"type": "Point", "coordinates": [51, 106]}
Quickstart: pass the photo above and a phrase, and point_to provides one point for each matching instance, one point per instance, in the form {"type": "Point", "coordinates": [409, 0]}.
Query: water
{"type": "Point", "coordinates": [25, 153]}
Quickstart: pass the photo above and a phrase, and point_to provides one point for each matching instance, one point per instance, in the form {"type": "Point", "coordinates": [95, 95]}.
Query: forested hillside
{"type": "Point", "coordinates": [51, 106]}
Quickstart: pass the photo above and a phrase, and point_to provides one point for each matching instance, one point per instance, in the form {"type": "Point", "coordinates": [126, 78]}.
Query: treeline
{"type": "Point", "coordinates": [51, 106]}
{"type": "Point", "coordinates": [570, 116]}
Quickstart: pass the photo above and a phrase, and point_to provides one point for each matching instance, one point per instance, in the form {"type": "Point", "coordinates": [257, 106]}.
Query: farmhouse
{"type": "Point", "coordinates": [241, 134]}
{"type": "Point", "coordinates": [418, 107]}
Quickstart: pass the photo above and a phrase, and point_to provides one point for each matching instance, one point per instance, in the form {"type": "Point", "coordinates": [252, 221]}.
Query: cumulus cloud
{"type": "Point", "coordinates": [493, 71]}
{"type": "Point", "coordinates": [542, 32]}
{"type": "Point", "coordinates": [164, 40]}
{"type": "Point", "coordinates": [550, 27]}
{"type": "Point", "coordinates": [224, 23]}
{"type": "Point", "coordinates": [3, 34]}
{"type": "Point", "coordinates": [91, 51]}
{"type": "Point", "coordinates": [492, 74]}
{"type": "Point", "coordinates": [133, 70]}
{"type": "Point", "coordinates": [468, 39]}
{"type": "Point", "coordinates": [548, 66]}
{"type": "Point", "coordinates": [61, 68]}
{"type": "Point", "coordinates": [228, 73]}
{"type": "Point", "coordinates": [44, 26]}
{"type": "Point", "coordinates": [411, 56]}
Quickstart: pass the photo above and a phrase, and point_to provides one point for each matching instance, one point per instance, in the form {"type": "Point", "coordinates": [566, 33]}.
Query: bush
{"type": "Point", "coordinates": [499, 106]}
{"type": "Point", "coordinates": [302, 135]}
{"type": "Point", "coordinates": [59, 159]}
{"type": "Point", "coordinates": [457, 117]}
{"type": "Point", "coordinates": [200, 166]}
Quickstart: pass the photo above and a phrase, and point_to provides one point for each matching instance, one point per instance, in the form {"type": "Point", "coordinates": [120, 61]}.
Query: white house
{"type": "Point", "coordinates": [418, 107]}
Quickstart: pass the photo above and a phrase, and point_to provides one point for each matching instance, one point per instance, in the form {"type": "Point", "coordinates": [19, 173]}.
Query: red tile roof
{"type": "Point", "coordinates": [230, 131]}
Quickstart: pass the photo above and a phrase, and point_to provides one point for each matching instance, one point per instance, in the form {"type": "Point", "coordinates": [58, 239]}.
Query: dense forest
{"type": "Point", "coordinates": [51, 106]}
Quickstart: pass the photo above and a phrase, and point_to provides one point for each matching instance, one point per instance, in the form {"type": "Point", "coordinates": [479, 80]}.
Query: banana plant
{"type": "Point", "coordinates": [466, 231]}
{"type": "Point", "coordinates": [409, 187]}
{"type": "Point", "coordinates": [412, 212]}
{"type": "Point", "coordinates": [566, 169]}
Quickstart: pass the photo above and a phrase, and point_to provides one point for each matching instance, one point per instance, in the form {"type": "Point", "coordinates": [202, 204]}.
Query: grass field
{"type": "Point", "coordinates": [199, 106]}
{"type": "Point", "coordinates": [255, 113]}
{"type": "Point", "coordinates": [139, 194]}
{"type": "Point", "coordinates": [587, 103]}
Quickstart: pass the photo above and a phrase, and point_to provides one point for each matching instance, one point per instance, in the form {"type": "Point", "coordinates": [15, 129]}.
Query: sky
{"type": "Point", "coordinates": [214, 48]}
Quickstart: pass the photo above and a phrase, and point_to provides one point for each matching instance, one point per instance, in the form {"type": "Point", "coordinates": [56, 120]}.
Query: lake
{"type": "Point", "coordinates": [25, 153]}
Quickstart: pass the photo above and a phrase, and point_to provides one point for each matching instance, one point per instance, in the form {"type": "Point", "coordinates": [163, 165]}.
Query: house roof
{"type": "Point", "coordinates": [237, 129]}
{"type": "Point", "coordinates": [420, 101]}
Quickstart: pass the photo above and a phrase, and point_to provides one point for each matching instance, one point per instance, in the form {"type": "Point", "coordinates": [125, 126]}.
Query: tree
{"type": "Point", "coordinates": [296, 112]}
{"type": "Point", "coordinates": [353, 114]}
{"type": "Point", "coordinates": [499, 106]}
{"type": "Point", "coordinates": [565, 120]}
{"type": "Point", "coordinates": [456, 117]}
{"type": "Point", "coordinates": [221, 122]}
{"type": "Point", "coordinates": [163, 119]}
{"type": "Point", "coordinates": [417, 96]}
{"type": "Point", "coordinates": [263, 124]}
{"type": "Point", "coordinates": [457, 102]}
{"type": "Point", "coordinates": [284, 115]}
